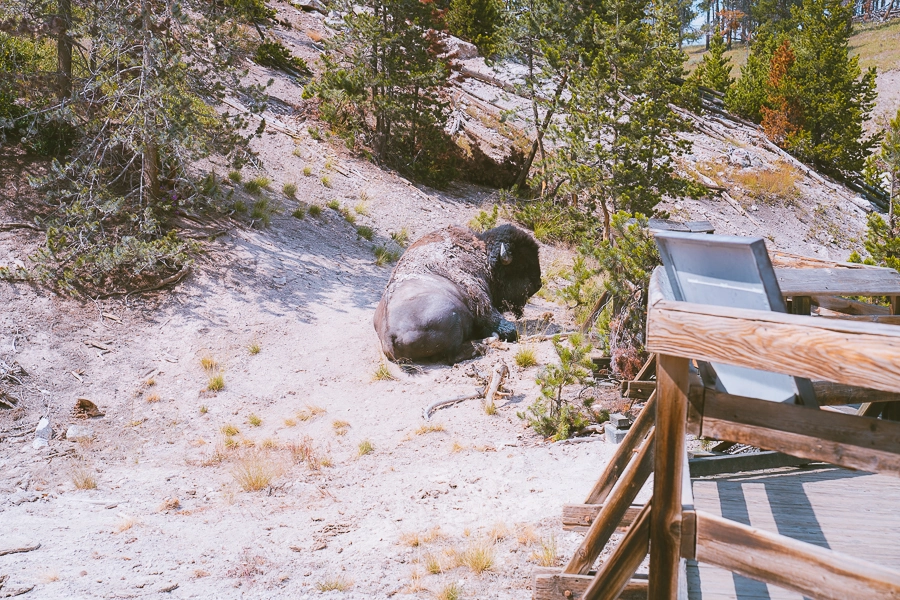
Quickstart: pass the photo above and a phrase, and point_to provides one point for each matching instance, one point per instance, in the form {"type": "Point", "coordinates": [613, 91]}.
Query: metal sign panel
{"type": "Point", "coordinates": [734, 272]}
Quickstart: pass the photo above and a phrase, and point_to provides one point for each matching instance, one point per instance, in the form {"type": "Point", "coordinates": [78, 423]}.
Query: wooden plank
{"type": "Point", "coordinates": [624, 453]}
{"type": "Point", "coordinates": [880, 319]}
{"type": "Point", "coordinates": [582, 515]}
{"type": "Point", "coordinates": [787, 260]}
{"type": "Point", "coordinates": [669, 463]}
{"type": "Point", "coordinates": [850, 307]}
{"type": "Point", "coordinates": [838, 282]}
{"type": "Point", "coordinates": [736, 463]}
{"type": "Point", "coordinates": [689, 534]}
{"type": "Point", "coordinates": [850, 441]}
{"type": "Point", "coordinates": [831, 394]}
{"type": "Point", "coordinates": [617, 571]}
{"type": "Point", "coordinates": [800, 305]}
{"type": "Point", "coordinates": [826, 349]}
{"type": "Point", "coordinates": [614, 509]}
{"type": "Point", "coordinates": [804, 568]}
{"type": "Point", "coordinates": [638, 390]}
{"type": "Point", "coordinates": [648, 369]}
{"type": "Point", "coordinates": [561, 586]}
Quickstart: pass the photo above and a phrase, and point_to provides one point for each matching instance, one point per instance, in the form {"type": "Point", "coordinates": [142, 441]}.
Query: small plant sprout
{"type": "Point", "coordinates": [339, 584]}
{"type": "Point", "coordinates": [326, 181]}
{"type": "Point", "coordinates": [235, 176]}
{"type": "Point", "coordinates": [382, 373]}
{"type": "Point", "coordinates": [298, 152]}
{"type": "Point", "coordinates": [333, 204]}
{"type": "Point", "coordinates": [289, 189]}
{"type": "Point", "coordinates": [307, 171]}
{"type": "Point", "coordinates": [254, 420]}
{"type": "Point", "coordinates": [204, 409]}
{"type": "Point", "coordinates": [340, 427]}
{"type": "Point", "coordinates": [348, 216]}
{"type": "Point", "coordinates": [257, 184]}
{"type": "Point", "coordinates": [490, 408]}
{"type": "Point", "coordinates": [526, 357]}
{"type": "Point", "coordinates": [84, 479]}
{"type": "Point", "coordinates": [365, 232]}
{"type": "Point", "coordinates": [315, 210]}
{"type": "Point", "coordinates": [153, 398]}
{"type": "Point", "coordinates": [545, 554]}
{"type": "Point", "coordinates": [457, 447]}
{"type": "Point", "coordinates": [230, 430]}
{"type": "Point", "coordinates": [208, 363]}
{"type": "Point", "coordinates": [216, 383]}
{"type": "Point", "coordinates": [401, 237]}
{"type": "Point", "coordinates": [299, 213]}
{"type": "Point", "coordinates": [254, 348]}
{"type": "Point", "coordinates": [366, 447]}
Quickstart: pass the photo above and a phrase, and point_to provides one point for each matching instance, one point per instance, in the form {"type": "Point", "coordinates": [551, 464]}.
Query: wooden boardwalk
{"type": "Point", "coordinates": [850, 512]}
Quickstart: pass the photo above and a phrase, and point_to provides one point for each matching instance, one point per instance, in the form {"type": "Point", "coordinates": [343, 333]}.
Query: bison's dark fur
{"type": "Point", "coordinates": [451, 286]}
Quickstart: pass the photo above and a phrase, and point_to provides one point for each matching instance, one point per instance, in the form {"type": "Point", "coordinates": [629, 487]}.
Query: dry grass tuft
{"type": "Point", "coordinates": [451, 591]}
{"type": "Point", "coordinates": [208, 363]}
{"type": "Point", "coordinates": [382, 373]}
{"type": "Point", "coordinates": [254, 420]}
{"type": "Point", "coordinates": [498, 532]}
{"type": "Point", "coordinates": [150, 382]}
{"type": "Point", "coordinates": [490, 408]}
{"type": "Point", "coordinates": [229, 430]}
{"type": "Point", "coordinates": [254, 348]}
{"type": "Point", "coordinates": [216, 383]}
{"type": "Point", "coordinates": [429, 428]}
{"type": "Point", "coordinates": [546, 553]}
{"type": "Point", "coordinates": [432, 563]}
{"type": "Point", "coordinates": [310, 412]}
{"type": "Point", "coordinates": [219, 454]}
{"type": "Point", "coordinates": [526, 535]}
{"type": "Point", "coordinates": [526, 357]}
{"type": "Point", "coordinates": [126, 523]}
{"type": "Point", "coordinates": [479, 557]}
{"type": "Point", "coordinates": [303, 451]}
{"type": "Point", "coordinates": [254, 470]}
{"type": "Point", "coordinates": [152, 398]}
{"type": "Point", "coordinates": [47, 577]}
{"type": "Point", "coordinates": [169, 504]}
{"type": "Point", "coordinates": [340, 427]}
{"type": "Point", "coordinates": [366, 447]}
{"type": "Point", "coordinates": [340, 584]}
{"type": "Point", "coordinates": [769, 185]}
{"type": "Point", "coordinates": [204, 409]}
{"type": "Point", "coordinates": [415, 583]}
{"type": "Point", "coordinates": [290, 422]}
{"type": "Point", "coordinates": [457, 447]}
{"type": "Point", "coordinates": [414, 539]}
{"type": "Point", "coordinates": [269, 444]}
{"type": "Point", "coordinates": [200, 573]}
{"type": "Point", "coordinates": [84, 479]}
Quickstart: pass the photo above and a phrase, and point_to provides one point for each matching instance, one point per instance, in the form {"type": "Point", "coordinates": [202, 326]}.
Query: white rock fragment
{"type": "Point", "coordinates": [43, 431]}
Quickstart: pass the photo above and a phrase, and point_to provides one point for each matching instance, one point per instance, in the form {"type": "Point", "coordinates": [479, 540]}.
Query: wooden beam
{"type": "Point", "coordinates": [669, 462]}
{"type": "Point", "coordinates": [618, 570]}
{"type": "Point", "coordinates": [850, 307]}
{"type": "Point", "coordinates": [830, 349]}
{"type": "Point", "coordinates": [880, 319]}
{"type": "Point", "coordinates": [830, 394]}
{"type": "Point", "coordinates": [560, 586]}
{"type": "Point", "coordinates": [800, 305]}
{"type": "Point", "coordinates": [846, 440]}
{"type": "Point", "coordinates": [638, 390]}
{"type": "Point", "coordinates": [838, 282]}
{"type": "Point", "coordinates": [614, 509]}
{"type": "Point", "coordinates": [786, 260]}
{"type": "Point", "coordinates": [736, 463]}
{"type": "Point", "coordinates": [797, 566]}
{"type": "Point", "coordinates": [578, 517]}
{"type": "Point", "coordinates": [624, 453]}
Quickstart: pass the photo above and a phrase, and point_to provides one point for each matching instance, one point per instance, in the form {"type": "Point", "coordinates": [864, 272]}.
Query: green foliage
{"type": "Point", "coordinates": [315, 210]}
{"type": "Point", "coordinates": [476, 21]}
{"type": "Point", "coordinates": [384, 256]}
{"type": "Point", "coordinates": [401, 237]}
{"type": "Point", "coordinates": [299, 213]}
{"type": "Point", "coordinates": [275, 55]}
{"type": "Point", "coordinates": [748, 94]}
{"type": "Point", "coordinates": [882, 244]}
{"type": "Point", "coordinates": [484, 220]}
{"type": "Point", "coordinates": [554, 414]}
{"type": "Point", "coordinates": [883, 235]}
{"type": "Point", "coordinates": [365, 232]}
{"type": "Point", "coordinates": [333, 204]}
{"type": "Point", "coordinates": [262, 211]}
{"type": "Point", "coordinates": [21, 55]}
{"type": "Point", "coordinates": [714, 70]}
{"type": "Point", "coordinates": [553, 221]}
{"type": "Point", "coordinates": [254, 11]}
{"type": "Point", "coordinates": [256, 185]}
{"type": "Point", "coordinates": [382, 83]}
{"type": "Point", "coordinates": [289, 189]}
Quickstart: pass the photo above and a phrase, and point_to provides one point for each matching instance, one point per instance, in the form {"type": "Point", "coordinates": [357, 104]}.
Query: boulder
{"type": "Point", "coordinates": [459, 49]}
{"type": "Point", "coordinates": [311, 5]}
{"type": "Point", "coordinates": [76, 432]}
{"type": "Point", "coordinates": [740, 158]}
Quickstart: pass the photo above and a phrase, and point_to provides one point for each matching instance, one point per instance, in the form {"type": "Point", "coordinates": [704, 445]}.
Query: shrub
{"type": "Point", "coordinates": [235, 176]}
{"type": "Point", "coordinates": [257, 184]}
{"type": "Point", "coordinates": [315, 210]}
{"type": "Point", "coordinates": [477, 21]}
{"type": "Point", "coordinates": [484, 221]}
{"type": "Point", "coordinates": [299, 212]}
{"type": "Point", "coordinates": [365, 232]}
{"type": "Point", "coordinates": [262, 211]}
{"type": "Point", "coordinates": [277, 56]}
{"type": "Point", "coordinates": [255, 470]}
{"type": "Point", "coordinates": [401, 237]}
{"type": "Point", "coordinates": [526, 357]}
{"type": "Point", "coordinates": [289, 189]}
{"type": "Point", "coordinates": [366, 447]}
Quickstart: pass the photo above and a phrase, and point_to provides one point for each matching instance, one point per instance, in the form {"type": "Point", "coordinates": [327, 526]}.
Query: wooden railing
{"type": "Point", "coordinates": [846, 353]}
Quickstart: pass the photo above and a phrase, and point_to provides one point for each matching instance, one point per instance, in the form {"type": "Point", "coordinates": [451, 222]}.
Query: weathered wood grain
{"type": "Point", "coordinates": [831, 394]}
{"type": "Point", "coordinates": [791, 564]}
{"type": "Point", "coordinates": [850, 307]}
{"type": "Point", "coordinates": [624, 453]}
{"type": "Point", "coordinates": [559, 586]}
{"type": "Point", "coordinates": [614, 509]}
{"type": "Point", "coordinates": [618, 570]}
{"type": "Point", "coordinates": [787, 260]}
{"type": "Point", "coordinates": [578, 516]}
{"type": "Point", "coordinates": [826, 349]}
{"type": "Point", "coordinates": [669, 463]}
{"type": "Point", "coordinates": [838, 282]}
{"type": "Point", "coordinates": [735, 463]}
{"type": "Point", "coordinates": [850, 441]}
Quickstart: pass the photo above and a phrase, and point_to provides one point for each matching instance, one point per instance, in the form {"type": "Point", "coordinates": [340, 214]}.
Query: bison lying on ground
{"type": "Point", "coordinates": [450, 287]}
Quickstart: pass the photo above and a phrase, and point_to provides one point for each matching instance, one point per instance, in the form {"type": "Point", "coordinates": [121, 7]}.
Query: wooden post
{"type": "Point", "coordinates": [895, 305]}
{"type": "Point", "coordinates": [669, 458]}
{"type": "Point", "coordinates": [616, 572]}
{"type": "Point", "coordinates": [800, 305]}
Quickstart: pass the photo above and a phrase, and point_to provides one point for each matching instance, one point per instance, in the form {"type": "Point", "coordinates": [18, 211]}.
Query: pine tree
{"type": "Point", "coordinates": [883, 235]}
{"type": "Point", "coordinates": [476, 21]}
{"type": "Point", "coordinates": [747, 96]}
{"type": "Point", "coordinates": [382, 84]}
{"type": "Point", "coordinates": [714, 70]}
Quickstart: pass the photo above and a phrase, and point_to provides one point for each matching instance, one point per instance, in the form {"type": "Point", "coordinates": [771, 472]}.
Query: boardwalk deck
{"type": "Point", "coordinates": [851, 512]}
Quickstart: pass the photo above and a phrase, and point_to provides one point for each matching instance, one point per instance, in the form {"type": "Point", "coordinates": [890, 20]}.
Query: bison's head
{"type": "Point", "coordinates": [514, 265]}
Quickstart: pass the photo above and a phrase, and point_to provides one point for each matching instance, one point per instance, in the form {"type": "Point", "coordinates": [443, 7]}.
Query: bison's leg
{"type": "Point", "coordinates": [424, 319]}
{"type": "Point", "coordinates": [505, 330]}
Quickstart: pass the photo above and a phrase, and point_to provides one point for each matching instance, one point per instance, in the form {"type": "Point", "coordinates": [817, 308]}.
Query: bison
{"type": "Point", "coordinates": [450, 287]}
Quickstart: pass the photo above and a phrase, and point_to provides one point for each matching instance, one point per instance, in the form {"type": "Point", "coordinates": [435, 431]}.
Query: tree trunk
{"type": "Point", "coordinates": [150, 157]}
{"type": "Point", "coordinates": [526, 168]}
{"type": "Point", "coordinates": [64, 52]}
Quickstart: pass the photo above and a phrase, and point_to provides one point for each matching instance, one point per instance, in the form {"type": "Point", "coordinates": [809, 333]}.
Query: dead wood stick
{"type": "Point", "coordinates": [442, 403]}
{"type": "Point", "coordinates": [167, 281]}
{"type": "Point", "coordinates": [595, 312]}
{"type": "Point", "coordinates": [17, 550]}
{"type": "Point", "coordinates": [500, 372]}
{"type": "Point", "coordinates": [544, 338]}
{"type": "Point", "coordinates": [8, 226]}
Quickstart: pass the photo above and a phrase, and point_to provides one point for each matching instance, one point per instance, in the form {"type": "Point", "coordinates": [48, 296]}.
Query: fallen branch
{"type": "Point", "coordinates": [8, 226]}
{"type": "Point", "coordinates": [545, 337]}
{"type": "Point", "coordinates": [167, 281]}
{"type": "Point", "coordinates": [595, 312]}
{"type": "Point", "coordinates": [442, 403]}
{"type": "Point", "coordinates": [500, 372]}
{"type": "Point", "coordinates": [18, 550]}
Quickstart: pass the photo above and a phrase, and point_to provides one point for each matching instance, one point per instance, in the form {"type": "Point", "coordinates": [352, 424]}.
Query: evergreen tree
{"type": "Point", "coordinates": [714, 70]}
{"type": "Point", "coordinates": [883, 235]}
{"type": "Point", "coordinates": [382, 84]}
{"type": "Point", "coordinates": [476, 21]}
{"type": "Point", "coordinates": [747, 96]}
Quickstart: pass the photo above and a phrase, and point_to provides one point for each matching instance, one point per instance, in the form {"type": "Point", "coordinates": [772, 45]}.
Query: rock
{"type": "Point", "coordinates": [312, 5]}
{"type": "Point", "coordinates": [613, 435]}
{"type": "Point", "coordinates": [461, 49]}
{"type": "Point", "coordinates": [43, 431]}
{"type": "Point", "coordinates": [84, 408]}
{"type": "Point", "coordinates": [740, 158]}
{"type": "Point", "coordinates": [39, 443]}
{"type": "Point", "coordinates": [77, 432]}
